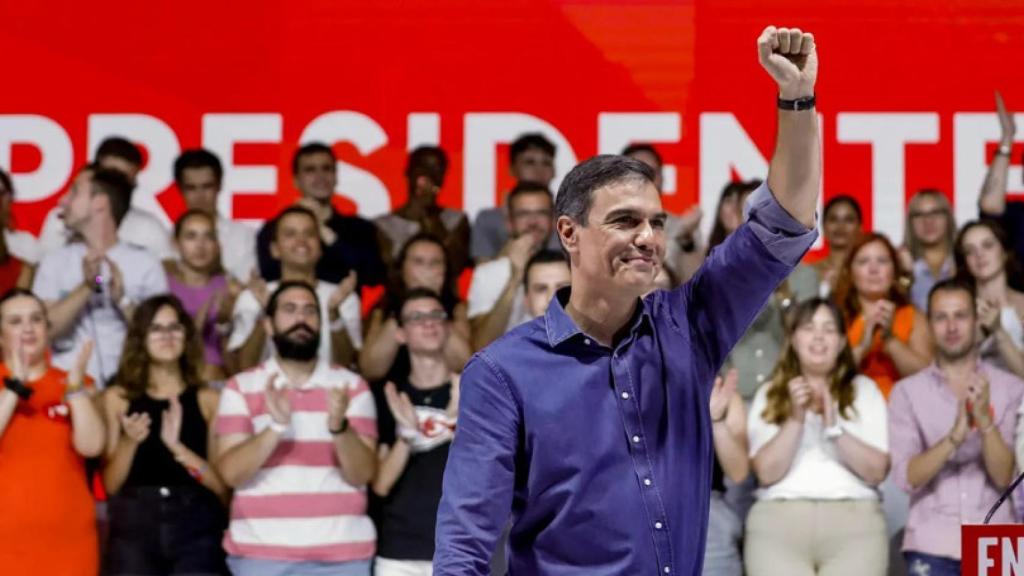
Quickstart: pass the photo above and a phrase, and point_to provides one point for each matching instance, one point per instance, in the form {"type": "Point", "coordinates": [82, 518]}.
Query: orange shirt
{"type": "Point", "coordinates": [47, 523]}
{"type": "Point", "coordinates": [877, 364]}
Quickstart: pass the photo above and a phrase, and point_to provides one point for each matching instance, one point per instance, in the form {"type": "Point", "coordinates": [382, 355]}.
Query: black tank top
{"type": "Point", "coordinates": [154, 465]}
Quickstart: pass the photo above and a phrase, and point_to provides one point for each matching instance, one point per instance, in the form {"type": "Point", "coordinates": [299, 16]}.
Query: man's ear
{"type": "Point", "coordinates": [568, 233]}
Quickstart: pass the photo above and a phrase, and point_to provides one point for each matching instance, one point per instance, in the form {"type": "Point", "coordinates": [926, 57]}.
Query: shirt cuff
{"type": "Point", "coordinates": [785, 237]}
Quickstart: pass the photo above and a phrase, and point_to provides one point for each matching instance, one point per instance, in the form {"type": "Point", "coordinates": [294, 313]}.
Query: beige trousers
{"type": "Point", "coordinates": [816, 538]}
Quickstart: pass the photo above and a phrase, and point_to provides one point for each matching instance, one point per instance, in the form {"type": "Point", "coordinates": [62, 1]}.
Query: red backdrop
{"type": "Point", "coordinates": [905, 91]}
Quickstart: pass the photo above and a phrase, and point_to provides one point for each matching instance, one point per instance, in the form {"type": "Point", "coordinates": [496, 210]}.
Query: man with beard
{"type": "Point", "coordinates": [297, 440]}
{"type": "Point", "coordinates": [496, 300]}
{"type": "Point", "coordinates": [951, 428]}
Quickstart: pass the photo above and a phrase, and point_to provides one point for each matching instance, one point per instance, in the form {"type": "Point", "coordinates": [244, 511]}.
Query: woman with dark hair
{"type": "Point", "coordinates": [48, 427]}
{"type": "Point", "coordinates": [842, 222]}
{"type": "Point", "coordinates": [166, 506]}
{"type": "Point", "coordinates": [421, 263]}
{"type": "Point", "coordinates": [14, 271]}
{"type": "Point", "coordinates": [984, 259]}
{"type": "Point", "coordinates": [205, 290]}
{"type": "Point", "coordinates": [889, 337]}
{"type": "Point", "coordinates": [819, 447]}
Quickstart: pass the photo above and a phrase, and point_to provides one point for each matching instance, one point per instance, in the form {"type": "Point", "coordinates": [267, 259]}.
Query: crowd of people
{"type": "Point", "coordinates": [218, 399]}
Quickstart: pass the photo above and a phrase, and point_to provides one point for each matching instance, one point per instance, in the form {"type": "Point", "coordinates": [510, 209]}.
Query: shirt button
{"type": "Point", "coordinates": [759, 352]}
{"type": "Point", "coordinates": [647, 481]}
{"type": "Point", "coordinates": [625, 395]}
{"type": "Point", "coordinates": [667, 570]}
{"type": "Point", "coordinates": [636, 439]}
{"type": "Point", "coordinates": [586, 341]}
{"type": "Point", "coordinates": [657, 525]}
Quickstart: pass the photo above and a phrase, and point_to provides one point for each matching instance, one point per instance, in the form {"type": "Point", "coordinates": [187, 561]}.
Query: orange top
{"type": "Point", "coordinates": [48, 524]}
{"type": "Point", "coordinates": [876, 364]}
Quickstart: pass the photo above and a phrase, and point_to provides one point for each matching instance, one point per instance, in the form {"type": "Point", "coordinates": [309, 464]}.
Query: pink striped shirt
{"type": "Point", "coordinates": [298, 507]}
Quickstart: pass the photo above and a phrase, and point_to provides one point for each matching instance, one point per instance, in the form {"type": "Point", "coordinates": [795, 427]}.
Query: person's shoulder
{"type": "Point", "coordinates": [134, 254]}
{"type": "Point", "coordinates": [998, 377]}
{"type": "Point", "coordinates": [511, 352]}
{"type": "Point", "coordinates": [866, 389]}
{"type": "Point", "coordinates": [916, 384]}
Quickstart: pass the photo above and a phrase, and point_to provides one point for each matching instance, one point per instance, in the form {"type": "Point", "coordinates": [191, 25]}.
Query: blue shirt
{"type": "Point", "coordinates": [603, 456]}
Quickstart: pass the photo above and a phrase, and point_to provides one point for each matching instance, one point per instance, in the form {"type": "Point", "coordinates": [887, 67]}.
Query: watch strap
{"type": "Point", "coordinates": [797, 105]}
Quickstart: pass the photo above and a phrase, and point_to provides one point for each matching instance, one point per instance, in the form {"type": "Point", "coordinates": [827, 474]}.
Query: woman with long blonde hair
{"type": "Point", "coordinates": [819, 448]}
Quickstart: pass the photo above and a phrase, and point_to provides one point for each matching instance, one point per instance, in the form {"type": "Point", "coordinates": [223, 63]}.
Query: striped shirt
{"type": "Point", "coordinates": [298, 507]}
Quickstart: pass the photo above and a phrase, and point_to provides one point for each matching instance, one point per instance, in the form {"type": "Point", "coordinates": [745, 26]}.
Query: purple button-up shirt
{"type": "Point", "coordinates": [922, 410]}
{"type": "Point", "coordinates": [603, 455]}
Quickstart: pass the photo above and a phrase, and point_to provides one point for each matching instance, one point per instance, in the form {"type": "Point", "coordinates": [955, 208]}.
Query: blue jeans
{"type": "Point", "coordinates": [919, 564]}
{"type": "Point", "coordinates": [242, 566]}
{"type": "Point", "coordinates": [722, 551]}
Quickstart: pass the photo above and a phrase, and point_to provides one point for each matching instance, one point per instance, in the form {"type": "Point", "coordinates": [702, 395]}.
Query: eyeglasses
{"type": "Point", "coordinates": [419, 318]}
{"type": "Point", "coordinates": [176, 329]}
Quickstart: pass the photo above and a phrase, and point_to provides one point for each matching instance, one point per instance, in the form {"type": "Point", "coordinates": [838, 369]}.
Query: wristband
{"type": "Point", "coordinates": [18, 387]}
{"type": "Point", "coordinates": [277, 427]}
{"type": "Point", "coordinates": [834, 431]}
{"type": "Point", "coordinates": [797, 105]}
{"type": "Point", "coordinates": [341, 429]}
{"type": "Point", "coordinates": [71, 394]}
{"type": "Point", "coordinates": [408, 434]}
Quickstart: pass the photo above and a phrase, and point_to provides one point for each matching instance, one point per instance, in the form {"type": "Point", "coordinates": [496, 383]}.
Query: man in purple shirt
{"type": "Point", "coordinates": [590, 424]}
{"type": "Point", "coordinates": [951, 430]}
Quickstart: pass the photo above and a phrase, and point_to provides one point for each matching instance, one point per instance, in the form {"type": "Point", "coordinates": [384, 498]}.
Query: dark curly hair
{"type": "Point", "coordinates": [133, 371]}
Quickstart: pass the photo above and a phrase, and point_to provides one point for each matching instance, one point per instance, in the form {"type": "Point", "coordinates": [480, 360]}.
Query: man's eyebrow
{"type": "Point", "coordinates": [620, 212]}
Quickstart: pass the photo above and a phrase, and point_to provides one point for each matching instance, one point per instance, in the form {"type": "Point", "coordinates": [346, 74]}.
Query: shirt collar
{"type": "Point", "coordinates": [318, 379]}
{"type": "Point", "coordinates": [560, 327]}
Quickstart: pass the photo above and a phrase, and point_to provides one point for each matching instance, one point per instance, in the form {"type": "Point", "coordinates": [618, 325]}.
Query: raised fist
{"type": "Point", "coordinates": [790, 56]}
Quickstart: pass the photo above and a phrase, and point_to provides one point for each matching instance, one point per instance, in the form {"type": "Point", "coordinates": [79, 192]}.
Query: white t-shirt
{"type": "Point", "coordinates": [489, 281]}
{"type": "Point", "coordinates": [816, 472]}
{"type": "Point", "coordinates": [23, 246]}
{"type": "Point", "coordinates": [138, 228]}
{"type": "Point", "coordinates": [248, 312]}
{"type": "Point", "coordinates": [60, 272]}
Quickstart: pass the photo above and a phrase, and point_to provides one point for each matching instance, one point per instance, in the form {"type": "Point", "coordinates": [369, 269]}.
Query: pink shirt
{"type": "Point", "coordinates": [922, 409]}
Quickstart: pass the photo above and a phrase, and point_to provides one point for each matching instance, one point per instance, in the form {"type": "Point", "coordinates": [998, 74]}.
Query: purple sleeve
{"type": "Point", "coordinates": [905, 441]}
{"type": "Point", "coordinates": [729, 290]}
{"type": "Point", "coordinates": [784, 236]}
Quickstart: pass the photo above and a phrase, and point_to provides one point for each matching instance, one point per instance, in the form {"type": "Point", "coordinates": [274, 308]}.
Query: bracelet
{"type": "Point", "coordinates": [991, 426]}
{"type": "Point", "coordinates": [1004, 150]}
{"type": "Point", "coordinates": [408, 434]}
{"type": "Point", "coordinates": [798, 105]}
{"type": "Point", "coordinates": [18, 387]}
{"type": "Point", "coordinates": [72, 394]}
{"type": "Point", "coordinates": [277, 427]}
{"type": "Point", "coordinates": [341, 429]}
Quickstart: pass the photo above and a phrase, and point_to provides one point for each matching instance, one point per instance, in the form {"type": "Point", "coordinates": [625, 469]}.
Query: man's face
{"type": "Point", "coordinates": [531, 213]}
{"type": "Point", "coordinates": [317, 176]}
{"type": "Point", "coordinates": [295, 327]}
{"type": "Point", "coordinates": [76, 205]}
{"type": "Point", "coordinates": [296, 242]}
{"type": "Point", "coordinates": [542, 281]}
{"type": "Point", "coordinates": [129, 169]}
{"type": "Point", "coordinates": [929, 220]}
{"type": "Point", "coordinates": [199, 188]}
{"type": "Point", "coordinates": [424, 327]}
{"type": "Point", "coordinates": [620, 249]}
{"type": "Point", "coordinates": [534, 165]}
{"type": "Point", "coordinates": [952, 322]}
{"type": "Point", "coordinates": [424, 266]}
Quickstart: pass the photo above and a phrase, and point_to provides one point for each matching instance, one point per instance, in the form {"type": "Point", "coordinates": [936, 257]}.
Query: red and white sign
{"type": "Point", "coordinates": [905, 93]}
{"type": "Point", "coordinates": [992, 550]}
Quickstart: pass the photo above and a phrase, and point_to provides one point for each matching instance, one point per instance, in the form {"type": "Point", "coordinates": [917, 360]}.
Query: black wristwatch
{"type": "Point", "coordinates": [797, 105]}
{"type": "Point", "coordinates": [18, 387]}
{"type": "Point", "coordinates": [341, 429]}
